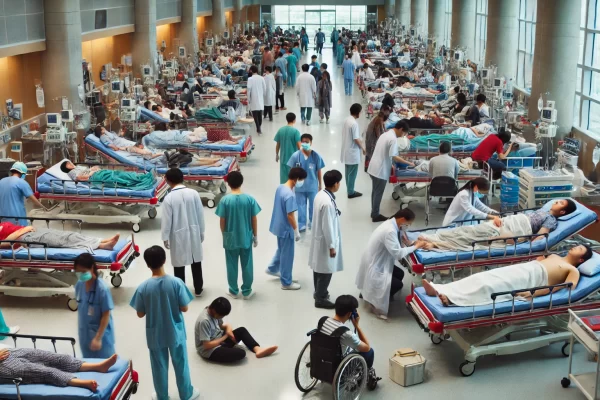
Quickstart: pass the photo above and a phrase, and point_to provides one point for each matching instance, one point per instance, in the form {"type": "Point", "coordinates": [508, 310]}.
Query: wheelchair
{"type": "Point", "coordinates": [322, 359]}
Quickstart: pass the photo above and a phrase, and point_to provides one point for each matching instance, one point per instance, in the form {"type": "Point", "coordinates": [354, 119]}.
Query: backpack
{"type": "Point", "coordinates": [178, 159]}
{"type": "Point", "coordinates": [325, 352]}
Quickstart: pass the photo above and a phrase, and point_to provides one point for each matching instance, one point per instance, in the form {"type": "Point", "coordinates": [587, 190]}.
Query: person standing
{"type": "Point", "coordinates": [288, 142]}
{"type": "Point", "coordinates": [279, 85]}
{"type": "Point", "coordinates": [256, 90]}
{"type": "Point", "coordinates": [162, 300]}
{"type": "Point", "coordinates": [298, 54]}
{"type": "Point", "coordinates": [271, 88]}
{"type": "Point", "coordinates": [351, 147]}
{"type": "Point", "coordinates": [306, 89]}
{"type": "Point", "coordinates": [325, 256]}
{"type": "Point", "coordinates": [339, 54]}
{"type": "Point", "coordinates": [324, 96]}
{"type": "Point", "coordinates": [375, 129]}
{"type": "Point", "coordinates": [182, 228]}
{"type": "Point", "coordinates": [304, 41]}
{"type": "Point", "coordinates": [319, 40]}
{"type": "Point", "coordinates": [281, 63]}
{"type": "Point", "coordinates": [348, 70]}
{"type": "Point", "coordinates": [292, 62]}
{"type": "Point", "coordinates": [13, 192]}
{"type": "Point", "coordinates": [239, 227]}
{"type": "Point", "coordinates": [267, 59]}
{"type": "Point", "coordinates": [310, 161]}
{"type": "Point", "coordinates": [335, 35]}
{"type": "Point", "coordinates": [284, 227]}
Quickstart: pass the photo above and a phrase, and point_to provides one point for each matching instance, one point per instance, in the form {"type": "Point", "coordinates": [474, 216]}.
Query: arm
{"type": "Point", "coordinates": [254, 226]}
{"type": "Point", "coordinates": [35, 201]}
{"type": "Point", "coordinates": [483, 208]}
{"type": "Point", "coordinates": [141, 314]}
{"type": "Point", "coordinates": [166, 221]}
{"type": "Point", "coordinates": [360, 144]}
{"type": "Point", "coordinates": [456, 170]}
{"type": "Point", "coordinates": [476, 132]}
{"type": "Point", "coordinates": [298, 145]}
{"type": "Point", "coordinates": [319, 178]}
{"type": "Point", "coordinates": [399, 159]}
{"type": "Point", "coordinates": [222, 225]}
{"type": "Point", "coordinates": [103, 324]}
{"type": "Point", "coordinates": [572, 277]}
{"type": "Point", "coordinates": [113, 147]}
{"type": "Point", "coordinates": [503, 156]}
{"type": "Point", "coordinates": [466, 205]}
{"type": "Point", "coordinates": [214, 343]}
{"type": "Point", "coordinates": [541, 232]}
{"type": "Point", "coordinates": [392, 245]}
{"type": "Point", "coordinates": [364, 343]}
{"type": "Point", "coordinates": [277, 152]}
{"type": "Point", "coordinates": [328, 231]}
{"type": "Point", "coordinates": [183, 308]}
{"type": "Point", "coordinates": [292, 220]}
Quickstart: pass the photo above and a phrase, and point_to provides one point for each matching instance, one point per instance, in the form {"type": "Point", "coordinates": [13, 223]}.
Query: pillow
{"type": "Point", "coordinates": [56, 172]}
{"type": "Point", "coordinates": [93, 138]}
{"type": "Point", "coordinates": [591, 267]}
{"type": "Point", "coordinates": [548, 205]}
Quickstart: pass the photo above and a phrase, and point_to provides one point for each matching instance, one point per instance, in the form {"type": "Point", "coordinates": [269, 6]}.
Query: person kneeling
{"type": "Point", "coordinates": [217, 341]}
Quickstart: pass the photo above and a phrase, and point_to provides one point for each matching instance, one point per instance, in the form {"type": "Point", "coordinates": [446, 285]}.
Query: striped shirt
{"type": "Point", "coordinates": [348, 338]}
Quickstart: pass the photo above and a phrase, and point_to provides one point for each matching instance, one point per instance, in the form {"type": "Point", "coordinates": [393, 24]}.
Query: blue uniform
{"type": "Point", "coordinates": [282, 64]}
{"type": "Point", "coordinates": [312, 165]}
{"type": "Point", "coordinates": [160, 299]}
{"type": "Point", "coordinates": [283, 261]}
{"type": "Point", "coordinates": [13, 192]}
{"type": "Point", "coordinates": [297, 53]}
{"type": "Point", "coordinates": [348, 68]}
{"type": "Point", "coordinates": [91, 305]}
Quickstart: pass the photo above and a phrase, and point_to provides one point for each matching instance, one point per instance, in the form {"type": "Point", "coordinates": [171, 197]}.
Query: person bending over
{"type": "Point", "coordinates": [216, 341]}
{"type": "Point", "coordinates": [477, 289]}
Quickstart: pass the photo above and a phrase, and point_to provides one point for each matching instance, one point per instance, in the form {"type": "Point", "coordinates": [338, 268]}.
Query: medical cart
{"type": "Point", "coordinates": [590, 339]}
{"type": "Point", "coordinates": [537, 186]}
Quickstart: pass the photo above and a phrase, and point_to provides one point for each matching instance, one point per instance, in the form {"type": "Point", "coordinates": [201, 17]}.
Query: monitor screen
{"type": "Point", "coordinates": [146, 70]}
{"type": "Point", "coordinates": [209, 42]}
{"type": "Point", "coordinates": [116, 85]}
{"type": "Point", "coordinates": [457, 56]}
{"type": "Point", "coordinates": [169, 64]}
{"type": "Point", "coordinates": [65, 115]}
{"type": "Point", "coordinates": [546, 114]}
{"type": "Point", "coordinates": [126, 103]}
{"type": "Point", "coordinates": [52, 119]}
{"type": "Point", "coordinates": [497, 82]}
{"type": "Point", "coordinates": [484, 73]}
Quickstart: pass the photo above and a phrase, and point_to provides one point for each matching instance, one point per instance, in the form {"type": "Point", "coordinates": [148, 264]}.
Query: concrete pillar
{"type": "Point", "coordinates": [144, 49]}
{"type": "Point", "coordinates": [555, 55]}
{"type": "Point", "coordinates": [418, 16]}
{"type": "Point", "coordinates": [237, 12]}
{"type": "Point", "coordinates": [218, 17]}
{"type": "Point", "coordinates": [464, 25]}
{"type": "Point", "coordinates": [503, 36]}
{"type": "Point", "coordinates": [388, 5]}
{"type": "Point", "coordinates": [436, 17]}
{"type": "Point", "coordinates": [188, 32]}
{"type": "Point", "coordinates": [402, 12]}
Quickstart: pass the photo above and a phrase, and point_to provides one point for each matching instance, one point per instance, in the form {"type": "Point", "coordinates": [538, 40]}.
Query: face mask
{"type": "Point", "coordinates": [84, 276]}
{"type": "Point", "coordinates": [305, 146]}
{"type": "Point", "coordinates": [479, 195]}
{"type": "Point", "coordinates": [299, 184]}
{"type": "Point", "coordinates": [23, 176]}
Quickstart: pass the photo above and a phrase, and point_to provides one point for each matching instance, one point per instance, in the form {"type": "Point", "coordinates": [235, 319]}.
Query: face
{"type": "Point", "coordinates": [578, 251]}
{"type": "Point", "coordinates": [70, 165]}
{"type": "Point", "coordinates": [403, 223]}
{"type": "Point", "coordinates": [159, 109]}
{"type": "Point", "coordinates": [476, 189]}
{"type": "Point", "coordinates": [336, 187]}
{"type": "Point", "coordinates": [306, 140]}
{"type": "Point", "coordinates": [559, 206]}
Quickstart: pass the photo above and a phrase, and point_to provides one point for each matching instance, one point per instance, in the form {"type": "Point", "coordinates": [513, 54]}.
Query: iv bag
{"type": "Point", "coordinates": [39, 96]}
{"type": "Point", "coordinates": [540, 103]}
{"type": "Point", "coordinates": [596, 156]}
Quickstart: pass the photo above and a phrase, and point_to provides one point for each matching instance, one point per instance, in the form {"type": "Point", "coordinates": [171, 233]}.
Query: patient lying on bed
{"type": "Point", "coordinates": [476, 290]}
{"type": "Point", "coordinates": [35, 366]}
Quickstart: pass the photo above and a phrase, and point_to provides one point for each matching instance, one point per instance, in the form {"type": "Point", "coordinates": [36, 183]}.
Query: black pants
{"type": "Point", "coordinates": [279, 100]}
{"type": "Point", "coordinates": [227, 353]}
{"type": "Point", "coordinates": [257, 115]}
{"type": "Point", "coordinates": [268, 112]}
{"type": "Point", "coordinates": [397, 276]}
{"type": "Point", "coordinates": [321, 284]}
{"type": "Point", "coordinates": [319, 48]}
{"type": "Point", "coordinates": [196, 275]}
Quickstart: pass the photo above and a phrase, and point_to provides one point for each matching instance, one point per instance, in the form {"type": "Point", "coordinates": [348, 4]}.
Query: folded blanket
{"type": "Point", "coordinates": [122, 179]}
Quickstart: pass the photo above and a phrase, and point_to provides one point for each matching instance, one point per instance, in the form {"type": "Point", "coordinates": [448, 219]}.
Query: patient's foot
{"type": "Point", "coordinates": [444, 299]}
{"type": "Point", "coordinates": [84, 383]}
{"type": "Point", "coordinates": [262, 352]}
{"type": "Point", "coordinates": [102, 366]}
{"type": "Point", "coordinates": [429, 289]}
{"type": "Point", "coordinates": [110, 243]}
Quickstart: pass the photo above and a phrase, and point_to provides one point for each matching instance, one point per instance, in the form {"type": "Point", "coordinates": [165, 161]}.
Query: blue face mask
{"type": "Point", "coordinates": [84, 276]}
{"type": "Point", "coordinates": [299, 184]}
{"type": "Point", "coordinates": [305, 146]}
{"type": "Point", "coordinates": [479, 195]}
{"type": "Point", "coordinates": [23, 176]}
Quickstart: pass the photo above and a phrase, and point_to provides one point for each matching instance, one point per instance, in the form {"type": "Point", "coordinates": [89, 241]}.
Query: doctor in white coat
{"type": "Point", "coordinates": [182, 228]}
{"type": "Point", "coordinates": [378, 278]}
{"type": "Point", "coordinates": [325, 256]}
{"type": "Point", "coordinates": [256, 89]}
{"type": "Point", "coordinates": [271, 87]}
{"type": "Point", "coordinates": [467, 204]}
{"type": "Point", "coordinates": [306, 89]}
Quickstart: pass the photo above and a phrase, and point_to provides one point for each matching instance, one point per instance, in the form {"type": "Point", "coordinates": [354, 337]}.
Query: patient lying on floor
{"type": "Point", "coordinates": [476, 290]}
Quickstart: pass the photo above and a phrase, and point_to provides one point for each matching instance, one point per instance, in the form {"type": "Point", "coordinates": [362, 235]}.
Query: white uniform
{"type": "Point", "coordinates": [306, 89]}
{"type": "Point", "coordinates": [182, 224]}
{"type": "Point", "coordinates": [270, 90]}
{"type": "Point", "coordinates": [381, 161]}
{"type": "Point", "coordinates": [256, 89]}
{"type": "Point", "coordinates": [369, 74]}
{"type": "Point", "coordinates": [326, 235]}
{"type": "Point", "coordinates": [374, 278]}
{"type": "Point", "coordinates": [466, 206]}
{"type": "Point", "coordinates": [350, 150]}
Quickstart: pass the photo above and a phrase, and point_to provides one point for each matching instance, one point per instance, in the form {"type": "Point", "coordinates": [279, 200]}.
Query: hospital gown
{"type": "Point", "coordinates": [116, 140]}
{"type": "Point", "coordinates": [312, 165]}
{"type": "Point", "coordinates": [40, 366]}
{"type": "Point", "coordinates": [13, 192]}
{"type": "Point", "coordinates": [92, 304]}
{"type": "Point", "coordinates": [288, 138]}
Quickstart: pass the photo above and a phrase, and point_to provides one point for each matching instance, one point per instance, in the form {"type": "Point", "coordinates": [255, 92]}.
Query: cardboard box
{"type": "Point", "coordinates": [407, 367]}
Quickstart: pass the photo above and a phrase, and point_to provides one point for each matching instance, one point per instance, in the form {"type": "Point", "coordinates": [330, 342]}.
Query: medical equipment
{"type": "Point", "coordinates": [538, 186]}
{"type": "Point", "coordinates": [596, 155]}
{"type": "Point", "coordinates": [53, 120]}
{"type": "Point", "coordinates": [17, 147]}
{"type": "Point", "coordinates": [116, 86]}
{"type": "Point", "coordinates": [226, 35]}
{"type": "Point", "coordinates": [548, 115]}
{"type": "Point", "coordinates": [146, 70]}
{"type": "Point", "coordinates": [498, 83]}
{"type": "Point", "coordinates": [182, 53]}
{"type": "Point", "coordinates": [128, 110]}
{"type": "Point", "coordinates": [66, 115]}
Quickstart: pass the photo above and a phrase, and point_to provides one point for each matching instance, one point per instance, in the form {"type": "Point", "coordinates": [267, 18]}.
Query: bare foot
{"type": "Point", "coordinates": [429, 289]}
{"type": "Point", "coordinates": [110, 244]}
{"type": "Point", "coordinates": [444, 300]}
{"type": "Point", "coordinates": [110, 239]}
{"type": "Point", "coordinates": [105, 365]}
{"type": "Point", "coordinates": [265, 352]}
{"type": "Point", "coordinates": [92, 385]}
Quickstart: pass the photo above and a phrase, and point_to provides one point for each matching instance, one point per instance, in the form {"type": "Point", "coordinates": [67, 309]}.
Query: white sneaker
{"type": "Point", "coordinates": [276, 274]}
{"type": "Point", "coordinates": [14, 329]}
{"type": "Point", "coordinates": [321, 121]}
{"type": "Point", "coordinates": [251, 295]}
{"type": "Point", "coordinates": [195, 394]}
{"type": "Point", "coordinates": [233, 296]}
{"type": "Point", "coordinates": [293, 286]}
{"type": "Point", "coordinates": [307, 122]}
{"type": "Point", "coordinates": [327, 121]}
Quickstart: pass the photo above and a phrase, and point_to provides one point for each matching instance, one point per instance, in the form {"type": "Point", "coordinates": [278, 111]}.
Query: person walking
{"type": "Point", "coordinates": [351, 148]}
{"type": "Point", "coordinates": [324, 89]}
{"type": "Point", "coordinates": [319, 40]}
{"type": "Point", "coordinates": [288, 142]}
{"type": "Point", "coordinates": [335, 35]}
{"type": "Point", "coordinates": [291, 68]}
{"type": "Point", "coordinates": [306, 89]}
{"type": "Point", "coordinates": [304, 41]}
{"type": "Point", "coordinates": [279, 95]}
{"type": "Point", "coordinates": [270, 93]}
{"type": "Point", "coordinates": [348, 70]}
{"type": "Point", "coordinates": [256, 90]}
{"type": "Point", "coordinates": [339, 54]}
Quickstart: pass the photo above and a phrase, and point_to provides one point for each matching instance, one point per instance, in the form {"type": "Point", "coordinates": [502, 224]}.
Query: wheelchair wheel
{"type": "Point", "coordinates": [350, 378]}
{"type": "Point", "coordinates": [304, 381]}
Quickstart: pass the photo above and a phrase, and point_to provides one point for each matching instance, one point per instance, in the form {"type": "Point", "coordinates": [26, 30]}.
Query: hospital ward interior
{"type": "Point", "coordinates": [263, 199]}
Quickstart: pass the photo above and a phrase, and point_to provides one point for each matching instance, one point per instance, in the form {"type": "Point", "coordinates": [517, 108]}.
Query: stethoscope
{"type": "Point", "coordinates": [338, 212]}
{"type": "Point", "coordinates": [298, 163]}
{"type": "Point", "coordinates": [91, 296]}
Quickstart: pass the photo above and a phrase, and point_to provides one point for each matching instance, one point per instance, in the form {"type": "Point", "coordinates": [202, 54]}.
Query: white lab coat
{"type": "Point", "coordinates": [466, 206]}
{"type": "Point", "coordinates": [256, 89]}
{"type": "Point", "coordinates": [270, 90]}
{"type": "Point", "coordinates": [182, 224]}
{"type": "Point", "coordinates": [374, 278]}
{"type": "Point", "coordinates": [306, 89]}
{"type": "Point", "coordinates": [326, 235]}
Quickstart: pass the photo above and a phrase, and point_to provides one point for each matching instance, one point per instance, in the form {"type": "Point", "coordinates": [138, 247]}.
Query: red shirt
{"type": "Point", "coordinates": [8, 229]}
{"type": "Point", "coordinates": [486, 149]}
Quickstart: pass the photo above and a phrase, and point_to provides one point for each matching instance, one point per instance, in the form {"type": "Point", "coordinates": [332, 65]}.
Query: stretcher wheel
{"type": "Point", "coordinates": [135, 228]}
{"type": "Point", "coordinates": [304, 381]}
{"type": "Point", "coordinates": [436, 339]}
{"type": "Point", "coordinates": [72, 304]}
{"type": "Point", "coordinates": [223, 187]}
{"type": "Point", "coordinates": [565, 382]}
{"type": "Point", "coordinates": [395, 195]}
{"type": "Point", "coordinates": [116, 280]}
{"type": "Point", "coordinates": [211, 203]}
{"type": "Point", "coordinates": [467, 368]}
{"type": "Point", "coordinates": [152, 213]}
{"type": "Point", "coordinates": [565, 349]}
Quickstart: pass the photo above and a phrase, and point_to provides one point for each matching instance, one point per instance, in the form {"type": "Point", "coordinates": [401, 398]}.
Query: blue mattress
{"type": "Point", "coordinates": [149, 115]}
{"type": "Point", "coordinates": [37, 253]}
{"type": "Point", "coordinates": [106, 383]}
{"type": "Point", "coordinates": [411, 173]}
{"type": "Point", "coordinates": [154, 141]}
{"type": "Point", "coordinates": [580, 218]}
{"type": "Point", "coordinates": [222, 147]}
{"type": "Point", "coordinates": [45, 185]}
{"type": "Point", "coordinates": [586, 286]}
{"type": "Point", "coordinates": [455, 148]}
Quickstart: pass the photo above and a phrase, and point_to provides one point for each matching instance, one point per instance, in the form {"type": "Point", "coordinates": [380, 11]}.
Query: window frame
{"type": "Point", "coordinates": [527, 27]}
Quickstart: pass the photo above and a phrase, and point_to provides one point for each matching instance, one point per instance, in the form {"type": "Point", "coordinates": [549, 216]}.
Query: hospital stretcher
{"type": "Point", "coordinates": [36, 270]}
{"type": "Point", "coordinates": [119, 383]}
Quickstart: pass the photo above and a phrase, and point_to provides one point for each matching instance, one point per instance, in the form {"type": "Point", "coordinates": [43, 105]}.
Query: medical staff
{"type": "Point", "coordinates": [239, 227]}
{"type": "Point", "coordinates": [310, 161]}
{"type": "Point", "coordinates": [288, 142]}
{"type": "Point", "coordinates": [7, 329]}
{"type": "Point", "coordinates": [339, 53]}
{"type": "Point", "coordinates": [325, 256]}
{"type": "Point", "coordinates": [335, 35]}
{"type": "Point", "coordinates": [351, 147]}
{"type": "Point", "coordinates": [467, 204]}
{"type": "Point", "coordinates": [270, 93]}
{"type": "Point", "coordinates": [306, 90]}
{"type": "Point", "coordinates": [182, 228]}
{"type": "Point", "coordinates": [13, 192]}
{"type": "Point", "coordinates": [256, 90]}
{"type": "Point", "coordinates": [285, 228]}
{"type": "Point", "coordinates": [304, 40]}
{"type": "Point", "coordinates": [378, 278]}
{"type": "Point", "coordinates": [348, 68]}
{"type": "Point", "coordinates": [298, 54]}
{"type": "Point", "coordinates": [319, 40]}
{"type": "Point", "coordinates": [162, 300]}
{"type": "Point", "coordinates": [292, 68]}
{"type": "Point", "coordinates": [94, 306]}
{"type": "Point", "coordinates": [281, 63]}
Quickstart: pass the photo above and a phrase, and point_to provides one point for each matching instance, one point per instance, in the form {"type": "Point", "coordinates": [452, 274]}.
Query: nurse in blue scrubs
{"type": "Point", "coordinates": [96, 332]}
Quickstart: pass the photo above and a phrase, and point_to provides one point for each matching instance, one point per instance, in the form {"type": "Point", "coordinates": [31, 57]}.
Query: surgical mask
{"type": "Point", "coordinates": [479, 195]}
{"type": "Point", "coordinates": [305, 146]}
{"type": "Point", "coordinates": [23, 176]}
{"type": "Point", "coordinates": [84, 276]}
{"type": "Point", "coordinates": [299, 184]}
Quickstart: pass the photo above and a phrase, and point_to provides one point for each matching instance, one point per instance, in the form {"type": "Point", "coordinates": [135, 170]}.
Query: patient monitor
{"type": "Point", "coordinates": [115, 86]}
{"type": "Point", "coordinates": [53, 120]}
{"type": "Point", "coordinates": [66, 115]}
{"type": "Point", "coordinates": [548, 115]}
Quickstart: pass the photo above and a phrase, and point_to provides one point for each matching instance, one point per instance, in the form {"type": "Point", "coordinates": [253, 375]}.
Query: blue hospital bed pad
{"type": "Point", "coordinates": [44, 185]}
{"type": "Point", "coordinates": [239, 147]}
{"type": "Point", "coordinates": [411, 172]}
{"type": "Point", "coordinates": [586, 286]}
{"type": "Point", "coordinates": [581, 217]}
{"type": "Point", "coordinates": [58, 254]}
{"type": "Point", "coordinates": [106, 383]}
{"type": "Point", "coordinates": [149, 115]}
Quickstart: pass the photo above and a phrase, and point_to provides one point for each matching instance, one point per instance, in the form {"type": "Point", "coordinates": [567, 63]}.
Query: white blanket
{"type": "Point", "coordinates": [476, 290]}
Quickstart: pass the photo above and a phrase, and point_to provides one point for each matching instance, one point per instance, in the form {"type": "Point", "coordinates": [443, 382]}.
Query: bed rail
{"type": "Point", "coordinates": [47, 219]}
{"type": "Point", "coordinates": [13, 243]}
{"type": "Point", "coordinates": [92, 183]}
{"type": "Point", "coordinates": [515, 293]}
{"type": "Point", "coordinates": [505, 240]}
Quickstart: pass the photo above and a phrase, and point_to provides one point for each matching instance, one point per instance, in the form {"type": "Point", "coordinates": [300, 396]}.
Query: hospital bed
{"type": "Point", "coordinates": [149, 115]}
{"type": "Point", "coordinates": [119, 383]}
{"type": "Point", "coordinates": [41, 271]}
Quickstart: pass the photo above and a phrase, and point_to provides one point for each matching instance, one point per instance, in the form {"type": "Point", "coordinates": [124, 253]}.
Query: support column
{"type": "Point", "coordinates": [237, 12]}
{"type": "Point", "coordinates": [436, 17]}
{"type": "Point", "coordinates": [388, 5]}
{"type": "Point", "coordinates": [402, 12]}
{"type": "Point", "coordinates": [218, 17]}
{"type": "Point", "coordinates": [61, 62]}
{"type": "Point", "coordinates": [188, 32]}
{"type": "Point", "coordinates": [463, 25]}
{"type": "Point", "coordinates": [144, 38]}
{"type": "Point", "coordinates": [556, 33]}
{"type": "Point", "coordinates": [503, 36]}
{"type": "Point", "coordinates": [418, 16]}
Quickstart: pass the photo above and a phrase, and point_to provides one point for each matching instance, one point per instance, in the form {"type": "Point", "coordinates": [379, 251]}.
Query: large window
{"type": "Point", "coordinates": [447, 24]}
{"type": "Point", "coordinates": [527, 19]}
{"type": "Point", "coordinates": [587, 98]}
{"type": "Point", "coordinates": [481, 31]}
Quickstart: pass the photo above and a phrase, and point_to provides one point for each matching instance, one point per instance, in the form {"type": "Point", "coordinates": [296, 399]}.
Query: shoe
{"type": "Point", "coordinates": [195, 394]}
{"type": "Point", "coordinates": [251, 295]}
{"type": "Point", "coordinates": [354, 195]}
{"type": "Point", "coordinates": [326, 304]}
{"type": "Point", "coordinates": [315, 297]}
{"type": "Point", "coordinates": [308, 122]}
{"type": "Point", "coordinates": [233, 296]}
{"type": "Point", "coordinates": [302, 230]}
{"type": "Point", "coordinates": [327, 121]}
{"type": "Point", "coordinates": [14, 329]}
{"type": "Point", "coordinates": [155, 396]}
{"type": "Point", "coordinates": [379, 218]}
{"type": "Point", "coordinates": [321, 121]}
{"type": "Point", "coordinates": [283, 108]}
{"type": "Point", "coordinates": [293, 286]}
{"type": "Point", "coordinates": [271, 120]}
{"type": "Point", "coordinates": [199, 294]}
{"type": "Point", "coordinates": [276, 274]}
{"type": "Point", "coordinates": [303, 122]}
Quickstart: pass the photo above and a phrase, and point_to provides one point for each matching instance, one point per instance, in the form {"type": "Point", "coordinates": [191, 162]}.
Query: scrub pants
{"type": "Point", "coordinates": [497, 167]}
{"type": "Point", "coordinates": [348, 86]}
{"type": "Point", "coordinates": [321, 282]}
{"type": "Point", "coordinates": [228, 351]}
{"type": "Point", "coordinates": [247, 264]}
{"type": "Point", "coordinates": [159, 362]}
{"type": "Point", "coordinates": [307, 111]}
{"type": "Point", "coordinates": [351, 172]}
{"type": "Point", "coordinates": [279, 99]}
{"type": "Point", "coordinates": [320, 48]}
{"type": "Point", "coordinates": [196, 275]}
{"type": "Point", "coordinates": [302, 198]}
{"type": "Point", "coordinates": [304, 47]}
{"type": "Point", "coordinates": [283, 261]}
{"type": "Point", "coordinates": [291, 77]}
{"type": "Point", "coordinates": [268, 111]}
{"type": "Point", "coordinates": [376, 195]}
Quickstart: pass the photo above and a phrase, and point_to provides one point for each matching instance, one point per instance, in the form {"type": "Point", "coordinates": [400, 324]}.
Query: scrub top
{"type": "Point", "coordinates": [161, 298]}
{"type": "Point", "coordinates": [285, 203]}
{"type": "Point", "coordinates": [238, 210]}
{"type": "Point", "coordinates": [311, 165]}
{"type": "Point", "coordinates": [91, 305]}
{"type": "Point", "coordinates": [13, 192]}
{"type": "Point", "coordinates": [288, 138]}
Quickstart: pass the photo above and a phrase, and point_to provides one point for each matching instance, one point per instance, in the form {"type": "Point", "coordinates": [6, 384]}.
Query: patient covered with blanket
{"type": "Point", "coordinates": [108, 178]}
{"type": "Point", "coordinates": [477, 289]}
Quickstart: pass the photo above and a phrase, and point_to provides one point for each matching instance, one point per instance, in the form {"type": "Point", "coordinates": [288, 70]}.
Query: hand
{"type": "Point", "coordinates": [355, 320]}
{"type": "Point", "coordinates": [498, 222]}
{"type": "Point", "coordinates": [4, 353]}
{"type": "Point", "coordinates": [332, 253]}
{"type": "Point", "coordinates": [420, 244]}
{"type": "Point", "coordinates": [364, 152]}
{"type": "Point", "coordinates": [254, 241]}
{"type": "Point", "coordinates": [277, 158]}
{"type": "Point", "coordinates": [96, 344]}
{"type": "Point", "coordinates": [167, 246]}
{"type": "Point", "coordinates": [296, 235]}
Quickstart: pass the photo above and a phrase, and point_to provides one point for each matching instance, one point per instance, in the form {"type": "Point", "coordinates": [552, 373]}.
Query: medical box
{"type": "Point", "coordinates": [407, 367]}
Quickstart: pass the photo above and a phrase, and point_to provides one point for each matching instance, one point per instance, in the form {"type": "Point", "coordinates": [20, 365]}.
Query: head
{"type": "Point", "coordinates": [155, 257]}
{"type": "Point", "coordinates": [401, 128]}
{"type": "Point", "coordinates": [304, 67]}
{"type": "Point", "coordinates": [456, 89]}
{"type": "Point", "coordinates": [563, 207]}
{"type": "Point", "coordinates": [161, 126]}
{"type": "Point", "coordinates": [332, 180]}
{"type": "Point", "coordinates": [326, 76]}
{"type": "Point", "coordinates": [306, 141]}
{"type": "Point", "coordinates": [297, 175]}
{"type": "Point", "coordinates": [235, 179]}
{"type": "Point", "coordinates": [480, 98]}
{"type": "Point", "coordinates": [319, 29]}
{"type": "Point", "coordinates": [147, 104]}
{"type": "Point", "coordinates": [231, 94]}
{"type": "Point", "coordinates": [345, 305]}
{"type": "Point", "coordinates": [581, 254]}
{"type": "Point", "coordinates": [355, 110]}
{"type": "Point", "coordinates": [254, 69]}
{"type": "Point", "coordinates": [174, 177]}
{"type": "Point", "coordinates": [404, 217]}
{"type": "Point", "coordinates": [268, 69]}
{"type": "Point", "coordinates": [339, 41]}
{"type": "Point", "coordinates": [461, 99]}
{"type": "Point", "coordinates": [67, 166]}
{"type": "Point", "coordinates": [219, 308]}
{"type": "Point", "coordinates": [313, 58]}
{"type": "Point", "coordinates": [385, 111]}
{"type": "Point", "coordinates": [154, 107]}
{"type": "Point", "coordinates": [159, 108]}
{"type": "Point", "coordinates": [445, 147]}
{"type": "Point", "coordinates": [324, 67]}
{"type": "Point", "coordinates": [366, 66]}
{"type": "Point", "coordinates": [19, 169]}
{"type": "Point", "coordinates": [479, 186]}
{"type": "Point", "coordinates": [99, 131]}
{"type": "Point", "coordinates": [85, 267]}
{"type": "Point", "coordinates": [290, 118]}
{"type": "Point", "coordinates": [503, 135]}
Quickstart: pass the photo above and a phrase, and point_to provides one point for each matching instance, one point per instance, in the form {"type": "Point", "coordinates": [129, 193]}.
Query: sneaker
{"type": "Point", "coordinates": [379, 218]}
{"type": "Point", "coordinates": [283, 108]}
{"type": "Point", "coordinates": [326, 304]}
{"type": "Point", "coordinates": [195, 394]}
{"type": "Point", "coordinates": [276, 274]}
{"type": "Point", "coordinates": [321, 121]}
{"type": "Point", "coordinates": [315, 297]}
{"type": "Point", "coordinates": [251, 295]}
{"type": "Point", "coordinates": [302, 230]}
{"type": "Point", "coordinates": [233, 296]}
{"type": "Point", "coordinates": [199, 294]}
{"type": "Point", "coordinates": [293, 286]}
{"type": "Point", "coordinates": [354, 195]}
{"type": "Point", "coordinates": [308, 122]}
{"type": "Point", "coordinates": [327, 122]}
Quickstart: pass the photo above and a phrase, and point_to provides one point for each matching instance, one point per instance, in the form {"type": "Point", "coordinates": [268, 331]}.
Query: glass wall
{"type": "Point", "coordinates": [481, 31]}
{"type": "Point", "coordinates": [448, 24]}
{"type": "Point", "coordinates": [527, 19]}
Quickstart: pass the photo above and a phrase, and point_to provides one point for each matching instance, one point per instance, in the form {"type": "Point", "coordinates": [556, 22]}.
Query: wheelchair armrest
{"type": "Point", "coordinates": [311, 332]}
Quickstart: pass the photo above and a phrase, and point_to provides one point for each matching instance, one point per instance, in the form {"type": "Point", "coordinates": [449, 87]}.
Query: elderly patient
{"type": "Point", "coordinates": [476, 290]}
{"type": "Point", "coordinates": [53, 238]}
{"type": "Point", "coordinates": [43, 367]}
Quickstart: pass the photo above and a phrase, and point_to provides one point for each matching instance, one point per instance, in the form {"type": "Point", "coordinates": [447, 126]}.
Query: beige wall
{"type": "Point", "coordinates": [18, 75]}
{"type": "Point", "coordinates": [106, 50]}
{"type": "Point", "coordinates": [168, 33]}
{"type": "Point", "coordinates": [254, 13]}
